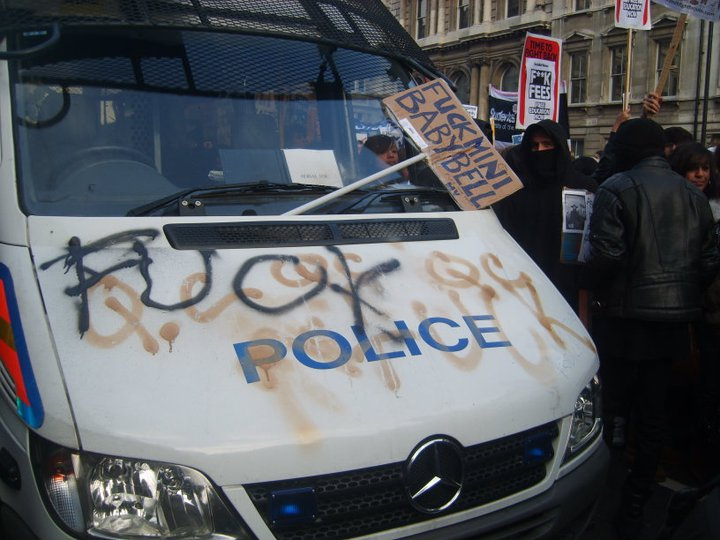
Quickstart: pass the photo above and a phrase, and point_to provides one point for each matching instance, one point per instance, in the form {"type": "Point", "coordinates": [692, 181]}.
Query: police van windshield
{"type": "Point", "coordinates": [110, 119]}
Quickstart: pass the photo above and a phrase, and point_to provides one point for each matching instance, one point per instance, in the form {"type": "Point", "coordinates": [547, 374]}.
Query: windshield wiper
{"type": "Point", "coordinates": [225, 190]}
{"type": "Point", "coordinates": [409, 196]}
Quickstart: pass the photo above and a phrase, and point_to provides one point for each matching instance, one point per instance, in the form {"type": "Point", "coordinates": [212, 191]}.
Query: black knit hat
{"type": "Point", "coordinates": [638, 139]}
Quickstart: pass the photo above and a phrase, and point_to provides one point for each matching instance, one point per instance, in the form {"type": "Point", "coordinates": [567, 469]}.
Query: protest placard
{"type": "Point", "coordinates": [708, 10]}
{"type": "Point", "coordinates": [503, 110]}
{"type": "Point", "coordinates": [457, 150]}
{"type": "Point", "coordinates": [577, 209]}
{"type": "Point", "coordinates": [539, 86]}
{"type": "Point", "coordinates": [633, 14]}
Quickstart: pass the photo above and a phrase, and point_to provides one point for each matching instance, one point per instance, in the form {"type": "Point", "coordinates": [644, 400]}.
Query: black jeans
{"type": "Point", "coordinates": [635, 365]}
{"type": "Point", "coordinates": [638, 388]}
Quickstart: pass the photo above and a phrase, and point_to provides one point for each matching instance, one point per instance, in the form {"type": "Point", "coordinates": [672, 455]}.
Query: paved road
{"type": "Point", "coordinates": [695, 527]}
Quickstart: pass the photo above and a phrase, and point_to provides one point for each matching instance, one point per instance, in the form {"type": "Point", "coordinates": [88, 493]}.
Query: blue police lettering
{"type": "Point", "coordinates": [304, 358]}
{"type": "Point", "coordinates": [369, 351]}
{"type": "Point", "coordinates": [479, 332]}
{"type": "Point", "coordinates": [424, 330]}
{"type": "Point", "coordinates": [262, 353]}
{"type": "Point", "coordinates": [249, 362]}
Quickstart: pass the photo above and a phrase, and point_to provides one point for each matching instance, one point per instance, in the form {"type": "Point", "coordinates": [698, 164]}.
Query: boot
{"type": "Point", "coordinates": [618, 432]}
{"type": "Point", "coordinates": [629, 518]}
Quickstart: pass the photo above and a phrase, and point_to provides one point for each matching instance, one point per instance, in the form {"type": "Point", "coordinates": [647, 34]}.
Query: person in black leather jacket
{"type": "Point", "coordinates": [652, 255]}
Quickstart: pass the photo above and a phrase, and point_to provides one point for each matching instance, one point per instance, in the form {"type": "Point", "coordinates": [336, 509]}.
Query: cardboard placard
{"type": "Point", "coordinates": [461, 156]}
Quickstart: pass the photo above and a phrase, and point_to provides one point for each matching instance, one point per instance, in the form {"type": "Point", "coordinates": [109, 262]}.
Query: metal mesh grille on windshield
{"type": "Point", "coordinates": [364, 24]}
{"type": "Point", "coordinates": [192, 65]}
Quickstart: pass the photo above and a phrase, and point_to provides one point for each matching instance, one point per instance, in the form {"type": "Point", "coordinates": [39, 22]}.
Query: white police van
{"type": "Point", "coordinates": [182, 356]}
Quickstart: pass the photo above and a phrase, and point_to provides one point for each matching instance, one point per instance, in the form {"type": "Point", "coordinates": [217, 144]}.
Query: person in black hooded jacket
{"type": "Point", "coordinates": [534, 215]}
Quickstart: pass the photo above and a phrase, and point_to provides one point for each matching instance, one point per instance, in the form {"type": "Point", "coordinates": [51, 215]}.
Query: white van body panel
{"type": "Point", "coordinates": [58, 422]}
{"type": "Point", "coordinates": [14, 229]}
{"type": "Point", "coordinates": [133, 376]}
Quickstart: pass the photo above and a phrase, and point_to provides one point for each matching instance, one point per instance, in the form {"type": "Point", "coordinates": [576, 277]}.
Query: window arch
{"type": "Point", "coordinates": [510, 78]}
{"type": "Point", "coordinates": [462, 85]}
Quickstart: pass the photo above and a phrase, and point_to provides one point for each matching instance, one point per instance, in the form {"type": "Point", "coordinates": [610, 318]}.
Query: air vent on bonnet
{"type": "Point", "coordinates": [207, 236]}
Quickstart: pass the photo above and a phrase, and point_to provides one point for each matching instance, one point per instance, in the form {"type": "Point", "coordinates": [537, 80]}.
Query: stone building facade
{"type": "Point", "coordinates": [479, 42]}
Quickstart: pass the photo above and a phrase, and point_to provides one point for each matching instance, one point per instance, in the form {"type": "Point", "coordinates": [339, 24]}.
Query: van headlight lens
{"type": "Point", "coordinates": [113, 497]}
{"type": "Point", "coordinates": [587, 419]}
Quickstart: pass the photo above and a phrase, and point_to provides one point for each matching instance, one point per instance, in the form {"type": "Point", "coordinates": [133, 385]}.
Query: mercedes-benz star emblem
{"type": "Point", "coordinates": [434, 474]}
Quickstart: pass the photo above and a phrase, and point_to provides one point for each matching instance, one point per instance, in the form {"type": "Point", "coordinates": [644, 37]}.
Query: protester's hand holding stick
{"type": "Point", "coordinates": [651, 104]}
{"type": "Point", "coordinates": [622, 117]}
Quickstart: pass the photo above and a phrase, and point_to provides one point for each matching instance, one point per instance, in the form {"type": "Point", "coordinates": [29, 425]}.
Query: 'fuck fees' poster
{"type": "Point", "coordinates": [539, 87]}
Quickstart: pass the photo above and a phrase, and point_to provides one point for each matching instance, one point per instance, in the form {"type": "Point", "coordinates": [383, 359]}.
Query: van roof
{"type": "Point", "coordinates": [359, 24]}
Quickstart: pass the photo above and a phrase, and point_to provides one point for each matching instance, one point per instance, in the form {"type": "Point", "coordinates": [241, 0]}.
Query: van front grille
{"type": "Point", "coordinates": [366, 501]}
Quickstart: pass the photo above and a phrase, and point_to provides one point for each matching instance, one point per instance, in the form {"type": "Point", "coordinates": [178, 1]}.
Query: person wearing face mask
{"type": "Point", "coordinates": [534, 215]}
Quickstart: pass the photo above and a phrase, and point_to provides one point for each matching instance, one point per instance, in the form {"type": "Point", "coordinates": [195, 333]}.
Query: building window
{"type": "Point", "coordinates": [422, 19]}
{"type": "Point", "coordinates": [671, 86]}
{"type": "Point", "coordinates": [464, 13]}
{"type": "Point", "coordinates": [618, 63]}
{"type": "Point", "coordinates": [582, 4]}
{"type": "Point", "coordinates": [577, 147]}
{"type": "Point", "coordinates": [513, 8]}
{"type": "Point", "coordinates": [462, 85]}
{"type": "Point", "coordinates": [578, 77]}
{"type": "Point", "coordinates": [510, 79]}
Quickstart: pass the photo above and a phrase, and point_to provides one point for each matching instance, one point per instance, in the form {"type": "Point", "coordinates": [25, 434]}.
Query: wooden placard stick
{"type": "Point", "coordinates": [670, 56]}
{"type": "Point", "coordinates": [628, 69]}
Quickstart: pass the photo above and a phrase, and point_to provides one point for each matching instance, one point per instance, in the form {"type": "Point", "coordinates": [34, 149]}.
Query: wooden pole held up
{"type": "Point", "coordinates": [628, 69]}
{"type": "Point", "coordinates": [670, 56]}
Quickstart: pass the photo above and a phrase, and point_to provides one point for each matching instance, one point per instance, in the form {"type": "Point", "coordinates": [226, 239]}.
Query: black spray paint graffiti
{"type": "Point", "coordinates": [250, 263]}
{"type": "Point", "coordinates": [88, 277]}
{"type": "Point", "coordinates": [352, 291]}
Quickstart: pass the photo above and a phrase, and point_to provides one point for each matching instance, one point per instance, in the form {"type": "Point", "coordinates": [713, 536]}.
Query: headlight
{"type": "Point", "coordinates": [587, 419]}
{"type": "Point", "coordinates": [113, 497]}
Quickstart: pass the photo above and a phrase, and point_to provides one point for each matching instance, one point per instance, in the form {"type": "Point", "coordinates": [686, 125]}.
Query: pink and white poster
{"type": "Point", "coordinates": [539, 87]}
